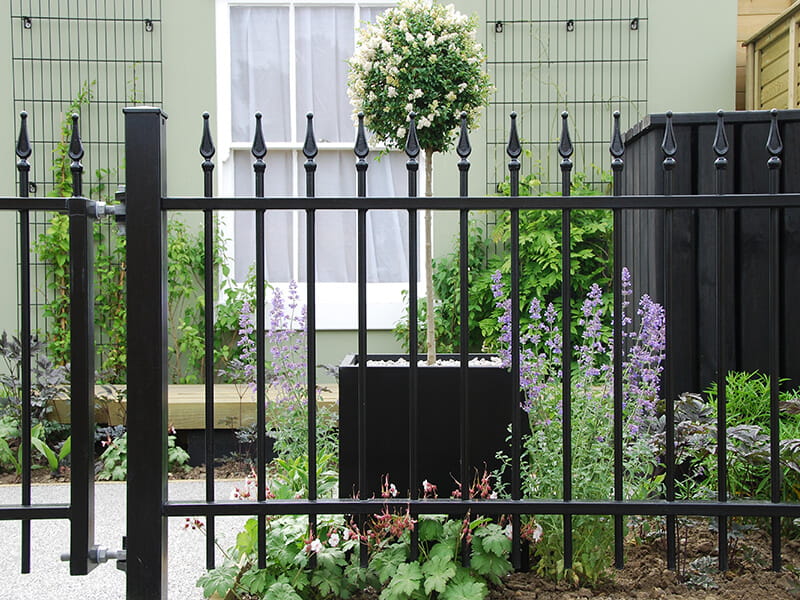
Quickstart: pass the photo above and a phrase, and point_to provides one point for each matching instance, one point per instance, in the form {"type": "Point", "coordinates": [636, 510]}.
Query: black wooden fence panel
{"type": "Point", "coordinates": [694, 240]}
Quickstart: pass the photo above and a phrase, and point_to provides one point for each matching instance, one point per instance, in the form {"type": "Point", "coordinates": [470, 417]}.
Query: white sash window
{"type": "Point", "coordinates": [285, 59]}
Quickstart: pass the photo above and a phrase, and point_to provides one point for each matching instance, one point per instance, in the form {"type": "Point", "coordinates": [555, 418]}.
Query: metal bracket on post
{"type": "Point", "coordinates": [100, 554]}
{"type": "Point", "coordinates": [118, 210]}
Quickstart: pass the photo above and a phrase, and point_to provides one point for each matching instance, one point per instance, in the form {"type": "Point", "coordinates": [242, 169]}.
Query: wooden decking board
{"type": "Point", "coordinates": [186, 405]}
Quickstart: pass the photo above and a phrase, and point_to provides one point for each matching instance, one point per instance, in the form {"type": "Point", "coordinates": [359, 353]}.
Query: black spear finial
{"type": "Point", "coordinates": [310, 144]}
{"type": "Point", "coordinates": [259, 151]}
{"type": "Point", "coordinates": [774, 142]}
{"type": "Point", "coordinates": [361, 148]}
{"type": "Point", "coordinates": [513, 149]}
{"type": "Point", "coordinates": [412, 151]}
{"type": "Point", "coordinates": [412, 141]}
{"type": "Point", "coordinates": [259, 147]}
{"type": "Point", "coordinates": [76, 154]}
{"type": "Point", "coordinates": [207, 148]}
{"type": "Point", "coordinates": [720, 144]}
{"type": "Point", "coordinates": [565, 143]}
{"type": "Point", "coordinates": [75, 144]}
{"type": "Point", "coordinates": [775, 149]}
{"type": "Point", "coordinates": [23, 142]}
{"type": "Point", "coordinates": [310, 151]}
{"type": "Point", "coordinates": [617, 147]}
{"type": "Point", "coordinates": [720, 147]}
{"type": "Point", "coordinates": [23, 152]}
{"type": "Point", "coordinates": [565, 151]}
{"type": "Point", "coordinates": [669, 146]}
{"type": "Point", "coordinates": [464, 148]}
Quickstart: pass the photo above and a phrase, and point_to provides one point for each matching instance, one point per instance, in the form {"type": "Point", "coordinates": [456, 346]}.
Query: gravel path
{"type": "Point", "coordinates": [49, 577]}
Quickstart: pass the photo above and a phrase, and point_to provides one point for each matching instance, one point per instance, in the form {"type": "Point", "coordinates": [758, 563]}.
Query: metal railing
{"type": "Point", "coordinates": [148, 206]}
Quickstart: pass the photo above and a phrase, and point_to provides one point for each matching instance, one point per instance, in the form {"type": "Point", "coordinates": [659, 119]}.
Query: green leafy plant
{"type": "Point", "coordinates": [114, 460]}
{"type": "Point", "coordinates": [13, 460]}
{"type": "Point", "coordinates": [540, 256]}
{"type": "Point", "coordinates": [335, 570]}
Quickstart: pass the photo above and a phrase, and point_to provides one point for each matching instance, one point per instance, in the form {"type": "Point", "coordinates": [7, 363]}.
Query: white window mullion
{"type": "Point", "coordinates": [294, 138]}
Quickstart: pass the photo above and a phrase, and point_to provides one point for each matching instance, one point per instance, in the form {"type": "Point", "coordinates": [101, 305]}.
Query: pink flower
{"type": "Point", "coordinates": [314, 546]}
{"type": "Point", "coordinates": [333, 540]}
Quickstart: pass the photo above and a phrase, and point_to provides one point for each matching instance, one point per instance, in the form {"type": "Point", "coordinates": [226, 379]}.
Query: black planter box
{"type": "Point", "coordinates": [694, 241]}
{"type": "Point", "coordinates": [489, 397]}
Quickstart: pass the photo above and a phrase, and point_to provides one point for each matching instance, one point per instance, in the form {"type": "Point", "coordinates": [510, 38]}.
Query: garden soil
{"type": "Point", "coordinates": [646, 576]}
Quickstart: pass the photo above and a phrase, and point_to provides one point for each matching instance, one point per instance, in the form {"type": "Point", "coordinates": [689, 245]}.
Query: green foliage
{"type": "Point", "coordinates": [336, 571]}
{"type": "Point", "coordinates": [748, 439]}
{"type": "Point", "coordinates": [114, 460]}
{"type": "Point", "coordinates": [11, 460]}
{"type": "Point", "coordinates": [540, 257]}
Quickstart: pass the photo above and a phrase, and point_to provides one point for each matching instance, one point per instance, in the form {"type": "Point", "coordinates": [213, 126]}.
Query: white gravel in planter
{"type": "Point", "coordinates": [50, 578]}
{"type": "Point", "coordinates": [493, 361]}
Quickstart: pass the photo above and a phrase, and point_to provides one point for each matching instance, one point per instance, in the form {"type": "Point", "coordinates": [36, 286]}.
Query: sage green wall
{"type": "Point", "coordinates": [188, 43]}
{"type": "Point", "coordinates": [692, 55]}
{"type": "Point", "coordinates": [8, 126]}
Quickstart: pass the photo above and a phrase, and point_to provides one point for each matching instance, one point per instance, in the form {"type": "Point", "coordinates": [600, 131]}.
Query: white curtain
{"type": "Point", "coordinates": [324, 40]}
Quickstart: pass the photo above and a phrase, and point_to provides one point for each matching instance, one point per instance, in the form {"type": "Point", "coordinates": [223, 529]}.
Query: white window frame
{"type": "Point", "coordinates": [336, 302]}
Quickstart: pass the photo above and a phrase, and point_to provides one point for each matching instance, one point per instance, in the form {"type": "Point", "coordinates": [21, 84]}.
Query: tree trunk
{"type": "Point", "coordinates": [431, 330]}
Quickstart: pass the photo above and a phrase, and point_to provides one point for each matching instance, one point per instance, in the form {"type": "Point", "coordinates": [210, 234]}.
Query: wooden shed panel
{"type": "Point", "coordinates": [775, 69]}
{"type": "Point", "coordinates": [779, 101]}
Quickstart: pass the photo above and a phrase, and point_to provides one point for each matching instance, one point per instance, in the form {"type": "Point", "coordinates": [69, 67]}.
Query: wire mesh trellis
{"type": "Point", "coordinates": [587, 58]}
{"type": "Point", "coordinates": [89, 57]}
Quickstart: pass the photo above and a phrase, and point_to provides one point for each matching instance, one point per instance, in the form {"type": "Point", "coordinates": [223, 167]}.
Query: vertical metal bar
{"type": "Point", "coordinates": [565, 151]}
{"type": "Point", "coordinates": [464, 150]}
{"type": "Point", "coordinates": [617, 149]}
{"type": "Point", "coordinates": [669, 147]}
{"type": "Point", "coordinates": [310, 166]}
{"type": "Point", "coordinates": [259, 151]}
{"type": "Point", "coordinates": [81, 299]}
{"type": "Point", "coordinates": [514, 150]}
{"type": "Point", "coordinates": [412, 149]}
{"type": "Point", "coordinates": [145, 135]}
{"type": "Point", "coordinates": [775, 148]}
{"type": "Point", "coordinates": [207, 151]}
{"type": "Point", "coordinates": [361, 151]}
{"type": "Point", "coordinates": [23, 152]}
{"type": "Point", "coordinates": [720, 147]}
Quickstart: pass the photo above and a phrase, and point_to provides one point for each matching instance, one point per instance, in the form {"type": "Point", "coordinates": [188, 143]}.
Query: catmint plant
{"type": "Point", "coordinates": [592, 416]}
{"type": "Point", "coordinates": [286, 378]}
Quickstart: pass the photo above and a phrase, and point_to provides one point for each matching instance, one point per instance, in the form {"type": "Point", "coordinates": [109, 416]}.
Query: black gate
{"type": "Point", "coordinates": [83, 553]}
{"type": "Point", "coordinates": [147, 206]}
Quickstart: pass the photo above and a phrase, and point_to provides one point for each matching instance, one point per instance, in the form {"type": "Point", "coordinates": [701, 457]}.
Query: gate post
{"type": "Point", "coordinates": [81, 314]}
{"type": "Point", "coordinates": [145, 132]}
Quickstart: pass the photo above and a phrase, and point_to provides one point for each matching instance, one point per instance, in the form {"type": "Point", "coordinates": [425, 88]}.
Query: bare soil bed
{"type": "Point", "coordinates": [646, 575]}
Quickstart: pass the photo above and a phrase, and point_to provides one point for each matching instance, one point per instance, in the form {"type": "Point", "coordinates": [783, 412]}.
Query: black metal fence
{"type": "Point", "coordinates": [149, 507]}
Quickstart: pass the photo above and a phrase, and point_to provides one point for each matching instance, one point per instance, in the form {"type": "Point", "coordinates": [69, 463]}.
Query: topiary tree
{"type": "Point", "coordinates": [420, 58]}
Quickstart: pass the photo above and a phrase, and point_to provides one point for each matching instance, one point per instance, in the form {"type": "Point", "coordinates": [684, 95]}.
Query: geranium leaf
{"type": "Point", "coordinates": [438, 571]}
